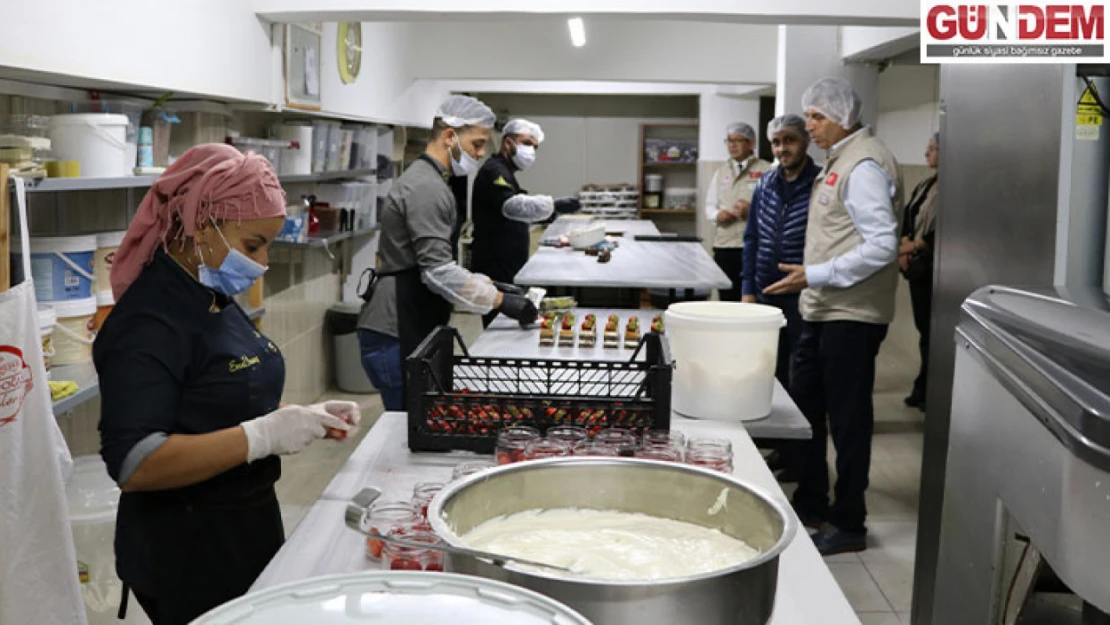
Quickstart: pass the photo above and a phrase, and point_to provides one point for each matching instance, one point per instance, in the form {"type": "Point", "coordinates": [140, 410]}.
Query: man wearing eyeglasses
{"type": "Point", "coordinates": [727, 203]}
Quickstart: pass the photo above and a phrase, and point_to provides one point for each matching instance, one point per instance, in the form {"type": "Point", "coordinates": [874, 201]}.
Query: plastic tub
{"type": "Point", "coordinates": [47, 319]}
{"type": "Point", "coordinates": [105, 302]}
{"type": "Point", "coordinates": [74, 332]}
{"type": "Point", "coordinates": [270, 149]}
{"type": "Point", "coordinates": [725, 355]}
{"type": "Point", "coordinates": [62, 267]}
{"type": "Point", "coordinates": [96, 140]}
{"type": "Point", "coordinates": [297, 161]}
{"type": "Point", "coordinates": [106, 245]}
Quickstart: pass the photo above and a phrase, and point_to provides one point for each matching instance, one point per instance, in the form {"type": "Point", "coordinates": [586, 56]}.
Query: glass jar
{"type": "Point", "coordinates": [593, 448]}
{"type": "Point", "coordinates": [423, 494]}
{"type": "Point", "coordinates": [402, 558]}
{"type": "Point", "coordinates": [664, 437]}
{"type": "Point", "coordinates": [384, 517]}
{"type": "Point", "coordinates": [569, 434]}
{"type": "Point", "coordinates": [467, 469]}
{"type": "Point", "coordinates": [710, 458]}
{"type": "Point", "coordinates": [720, 444]}
{"type": "Point", "coordinates": [622, 439]}
{"type": "Point", "coordinates": [666, 453]}
{"type": "Point", "coordinates": [512, 441]}
{"type": "Point", "coordinates": [546, 448]}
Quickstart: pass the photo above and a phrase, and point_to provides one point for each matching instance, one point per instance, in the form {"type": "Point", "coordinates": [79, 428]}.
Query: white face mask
{"type": "Point", "coordinates": [465, 164]}
{"type": "Point", "coordinates": [524, 157]}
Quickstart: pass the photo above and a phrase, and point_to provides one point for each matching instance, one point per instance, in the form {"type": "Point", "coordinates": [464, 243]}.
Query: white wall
{"type": "Point", "coordinates": [589, 139]}
{"type": "Point", "coordinates": [616, 50]}
{"type": "Point", "coordinates": [716, 113]}
{"type": "Point", "coordinates": [909, 109]}
{"type": "Point", "coordinates": [213, 47]}
{"type": "Point", "coordinates": [858, 43]}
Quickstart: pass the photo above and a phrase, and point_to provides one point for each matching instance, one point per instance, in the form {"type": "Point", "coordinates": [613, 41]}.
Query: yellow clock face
{"type": "Point", "coordinates": [349, 51]}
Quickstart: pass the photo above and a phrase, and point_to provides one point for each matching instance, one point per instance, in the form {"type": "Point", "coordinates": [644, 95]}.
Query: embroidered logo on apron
{"type": "Point", "coordinates": [16, 382]}
{"type": "Point", "coordinates": [244, 362]}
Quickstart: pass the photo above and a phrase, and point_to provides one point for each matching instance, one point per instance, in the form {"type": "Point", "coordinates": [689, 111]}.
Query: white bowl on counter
{"type": "Point", "coordinates": [588, 236]}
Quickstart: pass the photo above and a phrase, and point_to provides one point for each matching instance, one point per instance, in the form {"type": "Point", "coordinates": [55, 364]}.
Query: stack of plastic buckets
{"type": "Point", "coordinates": [63, 271]}
{"type": "Point", "coordinates": [106, 245]}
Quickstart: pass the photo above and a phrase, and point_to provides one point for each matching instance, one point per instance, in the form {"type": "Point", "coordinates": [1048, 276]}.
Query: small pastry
{"type": "Point", "coordinates": [632, 333]}
{"type": "Point", "coordinates": [612, 338]}
{"type": "Point", "coordinates": [566, 333]}
{"type": "Point", "coordinates": [587, 335]}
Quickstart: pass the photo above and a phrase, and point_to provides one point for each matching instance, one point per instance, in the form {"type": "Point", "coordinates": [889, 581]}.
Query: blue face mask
{"type": "Point", "coordinates": [236, 274]}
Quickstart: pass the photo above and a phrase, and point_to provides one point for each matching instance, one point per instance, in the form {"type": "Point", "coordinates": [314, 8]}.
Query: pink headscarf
{"type": "Point", "coordinates": [209, 181]}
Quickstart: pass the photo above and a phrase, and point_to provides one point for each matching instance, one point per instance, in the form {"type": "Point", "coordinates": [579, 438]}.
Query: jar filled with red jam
{"type": "Point", "coordinates": [512, 441]}
{"type": "Point", "coordinates": [384, 517]}
{"type": "Point", "coordinates": [404, 558]}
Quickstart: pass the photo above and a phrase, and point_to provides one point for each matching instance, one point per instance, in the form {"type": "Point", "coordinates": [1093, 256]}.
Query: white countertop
{"type": "Point", "coordinates": [322, 544]}
{"type": "Point", "coordinates": [506, 338]}
{"type": "Point", "coordinates": [635, 264]}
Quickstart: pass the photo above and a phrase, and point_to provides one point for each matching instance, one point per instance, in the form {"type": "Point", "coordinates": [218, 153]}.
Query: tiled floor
{"type": "Point", "coordinates": [877, 582]}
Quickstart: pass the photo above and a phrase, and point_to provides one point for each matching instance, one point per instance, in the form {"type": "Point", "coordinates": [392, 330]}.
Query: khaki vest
{"type": "Point", "coordinates": [831, 233]}
{"type": "Point", "coordinates": [730, 190]}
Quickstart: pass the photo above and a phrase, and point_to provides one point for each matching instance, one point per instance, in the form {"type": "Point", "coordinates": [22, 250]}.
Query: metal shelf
{"type": "Point", "coordinates": [85, 377]}
{"type": "Point", "coordinates": [667, 211]}
{"type": "Point", "coordinates": [668, 164]}
{"type": "Point", "coordinates": [51, 185]}
{"type": "Point", "coordinates": [317, 241]}
{"type": "Point", "coordinates": [329, 175]}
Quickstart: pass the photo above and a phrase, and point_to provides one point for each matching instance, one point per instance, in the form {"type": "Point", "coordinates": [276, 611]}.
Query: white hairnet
{"type": "Point", "coordinates": [522, 126]}
{"type": "Point", "coordinates": [787, 123]}
{"type": "Point", "coordinates": [836, 99]}
{"type": "Point", "coordinates": [458, 111]}
{"type": "Point", "coordinates": [742, 129]}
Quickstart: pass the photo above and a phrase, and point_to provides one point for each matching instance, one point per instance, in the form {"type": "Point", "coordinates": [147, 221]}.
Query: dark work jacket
{"type": "Point", "coordinates": [500, 244]}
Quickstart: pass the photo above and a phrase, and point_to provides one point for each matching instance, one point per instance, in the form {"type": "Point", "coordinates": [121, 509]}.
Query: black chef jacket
{"type": "Point", "coordinates": [169, 365]}
{"type": "Point", "coordinates": [500, 244]}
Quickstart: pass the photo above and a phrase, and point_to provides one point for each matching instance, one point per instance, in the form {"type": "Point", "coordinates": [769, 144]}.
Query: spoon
{"type": "Point", "coordinates": [358, 506]}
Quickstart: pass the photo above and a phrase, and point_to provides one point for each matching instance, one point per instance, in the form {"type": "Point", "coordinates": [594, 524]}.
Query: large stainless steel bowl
{"type": "Point", "coordinates": [741, 595]}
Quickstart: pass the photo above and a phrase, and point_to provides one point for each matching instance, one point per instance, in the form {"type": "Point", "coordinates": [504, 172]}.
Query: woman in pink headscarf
{"type": "Point", "coordinates": [191, 421]}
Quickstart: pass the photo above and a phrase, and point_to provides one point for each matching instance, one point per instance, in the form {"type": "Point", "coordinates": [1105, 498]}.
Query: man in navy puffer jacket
{"type": "Point", "coordinates": [776, 234]}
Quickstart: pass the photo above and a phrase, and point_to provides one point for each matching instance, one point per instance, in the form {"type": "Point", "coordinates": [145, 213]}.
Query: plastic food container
{"type": "Point", "coordinates": [98, 141]}
{"type": "Point", "coordinates": [512, 441]}
{"type": "Point", "coordinates": [678, 198]}
{"type": "Point", "coordinates": [725, 355]}
{"type": "Point", "coordinates": [105, 302]}
{"type": "Point", "coordinates": [270, 149]}
{"type": "Point", "coordinates": [297, 160]}
{"type": "Point", "coordinates": [62, 267]}
{"type": "Point", "coordinates": [26, 125]}
{"type": "Point", "coordinates": [588, 236]}
{"type": "Point", "coordinates": [74, 331]}
{"type": "Point", "coordinates": [383, 518]}
{"type": "Point", "coordinates": [106, 245]}
{"type": "Point", "coordinates": [393, 597]}
{"type": "Point", "coordinates": [47, 319]}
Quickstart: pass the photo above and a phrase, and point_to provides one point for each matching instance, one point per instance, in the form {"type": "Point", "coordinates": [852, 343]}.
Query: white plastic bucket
{"type": "Point", "coordinates": [97, 140]}
{"type": "Point", "coordinates": [62, 267]}
{"type": "Point", "coordinates": [74, 333]}
{"type": "Point", "coordinates": [47, 320]}
{"type": "Point", "coordinates": [725, 355]}
{"type": "Point", "coordinates": [106, 245]}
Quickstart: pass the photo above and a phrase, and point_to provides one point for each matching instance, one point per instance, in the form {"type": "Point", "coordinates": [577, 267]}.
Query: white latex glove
{"type": "Point", "coordinates": [288, 430]}
{"type": "Point", "coordinates": [346, 410]}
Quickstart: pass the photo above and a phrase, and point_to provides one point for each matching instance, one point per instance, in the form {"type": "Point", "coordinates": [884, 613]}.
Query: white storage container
{"type": "Point", "coordinates": [96, 140]}
{"type": "Point", "coordinates": [296, 161]}
{"type": "Point", "coordinates": [678, 198]}
{"type": "Point", "coordinates": [725, 355]}
{"type": "Point", "coordinates": [75, 331]}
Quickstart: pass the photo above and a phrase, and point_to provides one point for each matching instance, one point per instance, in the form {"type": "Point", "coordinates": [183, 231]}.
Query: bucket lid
{"type": "Point", "coordinates": [91, 495]}
{"type": "Point", "coordinates": [47, 317]}
{"type": "Point", "coordinates": [49, 245]}
{"type": "Point", "coordinates": [110, 239]}
{"type": "Point", "coordinates": [105, 298]}
{"type": "Point", "coordinates": [412, 598]}
{"type": "Point", "coordinates": [81, 119]}
{"type": "Point", "coordinates": [74, 308]}
{"type": "Point", "coordinates": [726, 313]}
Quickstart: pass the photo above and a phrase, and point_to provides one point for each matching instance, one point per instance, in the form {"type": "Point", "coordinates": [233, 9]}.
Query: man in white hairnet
{"type": "Point", "coordinates": [728, 200]}
{"type": "Point", "coordinates": [417, 220]}
{"type": "Point", "coordinates": [502, 211]}
{"type": "Point", "coordinates": [847, 285]}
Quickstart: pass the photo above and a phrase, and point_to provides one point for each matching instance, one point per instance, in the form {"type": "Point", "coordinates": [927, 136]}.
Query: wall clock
{"type": "Point", "coordinates": [349, 51]}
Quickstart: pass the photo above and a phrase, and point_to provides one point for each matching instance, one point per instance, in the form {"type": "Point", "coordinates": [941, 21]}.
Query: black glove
{"type": "Point", "coordinates": [505, 287]}
{"type": "Point", "coordinates": [567, 205]}
{"type": "Point", "coordinates": [520, 308]}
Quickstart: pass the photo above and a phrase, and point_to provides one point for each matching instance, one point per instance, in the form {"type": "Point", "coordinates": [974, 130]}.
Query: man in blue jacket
{"type": "Point", "coordinates": [776, 234]}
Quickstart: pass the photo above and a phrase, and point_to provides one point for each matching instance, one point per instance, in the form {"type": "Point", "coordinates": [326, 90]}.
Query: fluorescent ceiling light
{"type": "Point", "coordinates": [577, 31]}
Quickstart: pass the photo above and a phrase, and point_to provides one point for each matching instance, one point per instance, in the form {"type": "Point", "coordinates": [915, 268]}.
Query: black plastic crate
{"type": "Point", "coordinates": [460, 402]}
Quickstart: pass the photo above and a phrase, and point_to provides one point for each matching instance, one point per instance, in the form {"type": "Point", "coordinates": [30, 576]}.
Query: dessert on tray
{"type": "Point", "coordinates": [566, 332]}
{"type": "Point", "coordinates": [587, 335]}
{"type": "Point", "coordinates": [632, 333]}
{"type": "Point", "coordinates": [657, 325]}
{"type": "Point", "coordinates": [612, 339]}
{"type": "Point", "coordinates": [547, 330]}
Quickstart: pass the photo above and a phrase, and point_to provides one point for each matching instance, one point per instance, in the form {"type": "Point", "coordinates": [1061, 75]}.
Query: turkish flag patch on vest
{"type": "Point", "coordinates": [755, 175]}
{"type": "Point", "coordinates": [831, 180]}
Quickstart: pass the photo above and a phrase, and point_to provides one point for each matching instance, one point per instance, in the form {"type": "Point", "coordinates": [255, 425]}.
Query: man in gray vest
{"type": "Point", "coordinates": [728, 200]}
{"type": "Point", "coordinates": [847, 289]}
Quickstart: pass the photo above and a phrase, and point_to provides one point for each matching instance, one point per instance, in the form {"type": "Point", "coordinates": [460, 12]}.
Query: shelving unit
{"type": "Point", "coordinates": [60, 185]}
{"type": "Point", "coordinates": [676, 174]}
{"type": "Point", "coordinates": [325, 176]}
{"type": "Point", "coordinates": [85, 377]}
{"type": "Point", "coordinates": [318, 241]}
